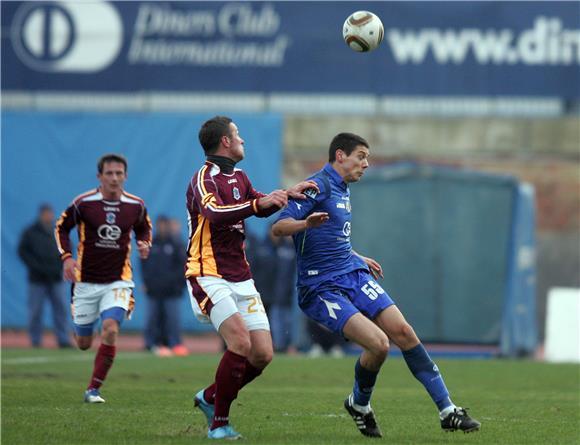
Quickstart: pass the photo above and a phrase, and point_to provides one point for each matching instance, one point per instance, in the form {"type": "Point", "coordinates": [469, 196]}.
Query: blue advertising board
{"type": "Point", "coordinates": [430, 48]}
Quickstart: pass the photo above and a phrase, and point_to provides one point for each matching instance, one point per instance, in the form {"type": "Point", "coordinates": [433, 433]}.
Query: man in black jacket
{"type": "Point", "coordinates": [39, 253]}
{"type": "Point", "coordinates": [164, 285]}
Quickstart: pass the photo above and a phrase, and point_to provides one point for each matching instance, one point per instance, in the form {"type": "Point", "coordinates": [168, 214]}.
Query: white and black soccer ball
{"type": "Point", "coordinates": [363, 31]}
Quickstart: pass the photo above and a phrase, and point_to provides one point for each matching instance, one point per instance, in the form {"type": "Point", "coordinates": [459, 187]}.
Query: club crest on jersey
{"type": "Point", "coordinates": [311, 193]}
{"type": "Point", "coordinates": [110, 218]}
{"type": "Point", "coordinates": [236, 193]}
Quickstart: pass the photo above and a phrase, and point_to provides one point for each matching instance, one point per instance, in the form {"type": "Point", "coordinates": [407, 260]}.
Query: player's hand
{"type": "Point", "coordinates": [69, 269]}
{"type": "Point", "coordinates": [316, 219]}
{"type": "Point", "coordinates": [143, 247]}
{"type": "Point", "coordinates": [277, 198]}
{"type": "Point", "coordinates": [297, 192]}
{"type": "Point", "coordinates": [375, 267]}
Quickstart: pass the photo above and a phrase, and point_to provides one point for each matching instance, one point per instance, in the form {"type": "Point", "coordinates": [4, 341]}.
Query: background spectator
{"type": "Point", "coordinates": [37, 249]}
{"type": "Point", "coordinates": [274, 271]}
{"type": "Point", "coordinates": [164, 284]}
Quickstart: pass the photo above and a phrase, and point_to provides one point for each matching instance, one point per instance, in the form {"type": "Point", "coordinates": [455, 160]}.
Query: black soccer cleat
{"type": "Point", "coordinates": [366, 423]}
{"type": "Point", "coordinates": [459, 420]}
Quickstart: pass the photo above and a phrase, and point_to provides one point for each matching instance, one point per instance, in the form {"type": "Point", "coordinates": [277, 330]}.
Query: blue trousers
{"type": "Point", "coordinates": [38, 293]}
{"type": "Point", "coordinates": [281, 326]}
{"type": "Point", "coordinates": [163, 322]}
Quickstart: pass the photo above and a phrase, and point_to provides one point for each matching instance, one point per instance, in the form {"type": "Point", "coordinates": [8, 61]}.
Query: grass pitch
{"type": "Point", "coordinates": [296, 401]}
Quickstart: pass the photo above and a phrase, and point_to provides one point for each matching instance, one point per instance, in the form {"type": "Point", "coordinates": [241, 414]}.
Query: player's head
{"type": "Point", "coordinates": [111, 157]}
{"type": "Point", "coordinates": [220, 136]}
{"type": "Point", "coordinates": [348, 154]}
{"type": "Point", "coordinates": [112, 173]}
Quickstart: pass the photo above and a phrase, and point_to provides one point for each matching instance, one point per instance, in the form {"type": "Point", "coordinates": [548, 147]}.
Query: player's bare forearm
{"type": "Point", "coordinates": [290, 226]}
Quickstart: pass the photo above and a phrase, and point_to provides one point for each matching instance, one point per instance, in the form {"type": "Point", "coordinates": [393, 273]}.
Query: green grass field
{"type": "Point", "coordinates": [296, 401]}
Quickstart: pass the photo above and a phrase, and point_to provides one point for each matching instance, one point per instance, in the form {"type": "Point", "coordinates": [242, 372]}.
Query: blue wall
{"type": "Point", "coordinates": [51, 157]}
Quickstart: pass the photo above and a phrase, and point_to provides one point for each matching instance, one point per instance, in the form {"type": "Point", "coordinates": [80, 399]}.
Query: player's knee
{"type": "Point", "coordinates": [406, 336]}
{"type": "Point", "coordinates": [240, 345]}
{"type": "Point", "coordinates": [110, 332]}
{"type": "Point", "coordinates": [262, 358]}
{"type": "Point", "coordinates": [380, 347]}
{"type": "Point", "coordinates": [84, 343]}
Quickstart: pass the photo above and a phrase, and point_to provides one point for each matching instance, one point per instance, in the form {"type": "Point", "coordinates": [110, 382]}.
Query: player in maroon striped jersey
{"type": "Point", "coordinates": [219, 198]}
{"type": "Point", "coordinates": [102, 274]}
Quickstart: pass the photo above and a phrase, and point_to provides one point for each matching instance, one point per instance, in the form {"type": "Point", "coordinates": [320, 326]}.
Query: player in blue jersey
{"type": "Point", "coordinates": [337, 288]}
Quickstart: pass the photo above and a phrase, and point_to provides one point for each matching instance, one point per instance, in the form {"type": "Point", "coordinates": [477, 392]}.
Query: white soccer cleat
{"type": "Point", "coordinates": [93, 396]}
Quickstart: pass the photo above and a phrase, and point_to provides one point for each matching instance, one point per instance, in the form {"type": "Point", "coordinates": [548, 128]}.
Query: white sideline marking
{"type": "Point", "coordinates": [71, 358]}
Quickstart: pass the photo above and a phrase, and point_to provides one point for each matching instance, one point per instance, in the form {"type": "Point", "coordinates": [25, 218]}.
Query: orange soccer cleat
{"type": "Point", "coordinates": [180, 351]}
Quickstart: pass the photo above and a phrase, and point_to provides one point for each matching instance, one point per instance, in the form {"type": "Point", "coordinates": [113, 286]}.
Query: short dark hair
{"type": "Point", "coordinates": [347, 142]}
{"type": "Point", "coordinates": [45, 207]}
{"type": "Point", "coordinates": [111, 157]}
{"type": "Point", "coordinates": [212, 131]}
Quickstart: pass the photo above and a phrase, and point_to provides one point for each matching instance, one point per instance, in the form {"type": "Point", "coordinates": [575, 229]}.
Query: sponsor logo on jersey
{"type": "Point", "coordinates": [108, 236]}
{"type": "Point", "coordinates": [109, 232]}
{"type": "Point", "coordinates": [340, 205]}
{"type": "Point", "coordinates": [346, 229]}
{"type": "Point", "coordinates": [312, 272]}
{"type": "Point", "coordinates": [231, 181]}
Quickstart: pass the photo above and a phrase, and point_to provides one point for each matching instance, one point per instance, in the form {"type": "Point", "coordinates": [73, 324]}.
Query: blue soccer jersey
{"type": "Point", "coordinates": [324, 252]}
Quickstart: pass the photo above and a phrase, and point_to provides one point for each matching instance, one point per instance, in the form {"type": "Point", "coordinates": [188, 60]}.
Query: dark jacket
{"type": "Point", "coordinates": [38, 250]}
{"type": "Point", "coordinates": [163, 270]}
{"type": "Point", "coordinates": [274, 270]}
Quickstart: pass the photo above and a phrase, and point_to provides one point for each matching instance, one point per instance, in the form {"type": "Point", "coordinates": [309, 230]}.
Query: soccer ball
{"type": "Point", "coordinates": [363, 31]}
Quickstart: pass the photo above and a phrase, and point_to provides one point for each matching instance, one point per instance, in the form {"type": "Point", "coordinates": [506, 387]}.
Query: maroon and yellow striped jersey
{"type": "Point", "coordinates": [105, 232]}
{"type": "Point", "coordinates": [217, 204]}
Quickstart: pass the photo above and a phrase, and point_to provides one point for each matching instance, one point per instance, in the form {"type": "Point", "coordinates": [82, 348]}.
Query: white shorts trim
{"type": "Point", "coordinates": [91, 299]}
{"type": "Point", "coordinates": [229, 298]}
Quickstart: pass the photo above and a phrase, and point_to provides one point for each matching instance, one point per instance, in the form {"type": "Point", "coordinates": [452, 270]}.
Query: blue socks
{"type": "Point", "coordinates": [364, 382]}
{"type": "Point", "coordinates": [427, 373]}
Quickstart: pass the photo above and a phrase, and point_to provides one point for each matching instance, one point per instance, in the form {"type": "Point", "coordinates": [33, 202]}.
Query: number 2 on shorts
{"type": "Point", "coordinates": [255, 305]}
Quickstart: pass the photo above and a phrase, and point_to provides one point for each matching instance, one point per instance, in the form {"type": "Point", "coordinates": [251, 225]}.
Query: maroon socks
{"type": "Point", "coordinates": [103, 362]}
{"type": "Point", "coordinates": [228, 381]}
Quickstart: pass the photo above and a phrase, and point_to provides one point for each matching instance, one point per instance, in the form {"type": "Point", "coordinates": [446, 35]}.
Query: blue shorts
{"type": "Point", "coordinates": [331, 303]}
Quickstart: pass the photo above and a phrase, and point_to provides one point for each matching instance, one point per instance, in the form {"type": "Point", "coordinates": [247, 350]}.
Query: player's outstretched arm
{"type": "Point", "coordinates": [277, 199]}
{"type": "Point", "coordinates": [290, 226]}
{"type": "Point", "coordinates": [297, 191]}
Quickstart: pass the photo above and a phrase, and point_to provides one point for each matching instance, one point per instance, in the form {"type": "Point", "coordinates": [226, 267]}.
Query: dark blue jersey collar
{"type": "Point", "coordinates": [336, 178]}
